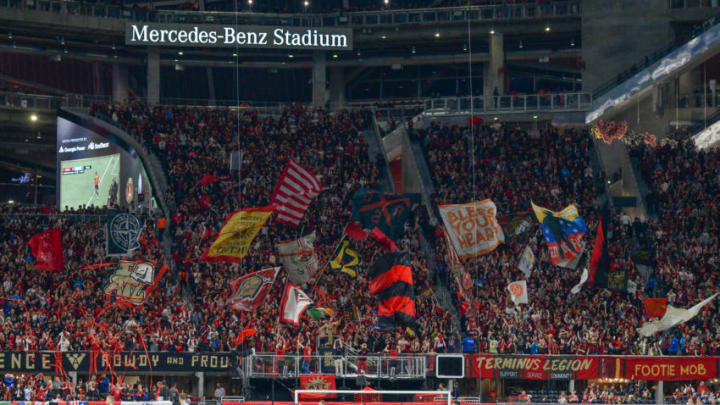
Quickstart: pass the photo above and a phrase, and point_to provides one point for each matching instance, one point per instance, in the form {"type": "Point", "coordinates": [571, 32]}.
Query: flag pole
{"type": "Point", "coordinates": [324, 267]}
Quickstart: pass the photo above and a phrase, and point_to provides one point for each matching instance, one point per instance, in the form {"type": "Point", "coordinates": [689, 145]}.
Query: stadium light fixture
{"type": "Point", "coordinates": [33, 117]}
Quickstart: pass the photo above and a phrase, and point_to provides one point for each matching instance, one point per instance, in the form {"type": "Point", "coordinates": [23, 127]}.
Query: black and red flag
{"type": "Point", "coordinates": [384, 211]}
{"type": "Point", "coordinates": [391, 280]}
{"type": "Point", "coordinates": [601, 272]}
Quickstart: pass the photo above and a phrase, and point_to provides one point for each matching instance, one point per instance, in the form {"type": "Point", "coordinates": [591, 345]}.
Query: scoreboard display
{"type": "Point", "coordinates": [76, 169]}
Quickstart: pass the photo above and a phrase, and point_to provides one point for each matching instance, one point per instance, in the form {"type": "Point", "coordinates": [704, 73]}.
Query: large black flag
{"type": "Point", "coordinates": [122, 233]}
{"type": "Point", "coordinates": [384, 211]}
{"type": "Point", "coordinates": [601, 272]}
{"type": "Point", "coordinates": [391, 280]}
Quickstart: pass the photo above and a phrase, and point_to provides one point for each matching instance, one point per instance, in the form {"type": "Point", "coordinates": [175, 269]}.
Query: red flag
{"type": "Point", "coordinates": [294, 192]}
{"type": "Point", "coordinates": [208, 179]}
{"type": "Point", "coordinates": [379, 236]}
{"type": "Point", "coordinates": [597, 252]}
{"type": "Point", "coordinates": [354, 231]}
{"type": "Point", "coordinates": [48, 251]}
{"type": "Point", "coordinates": [655, 307]}
{"type": "Point", "coordinates": [244, 334]}
{"type": "Point", "coordinates": [317, 382]}
{"type": "Point", "coordinates": [205, 202]}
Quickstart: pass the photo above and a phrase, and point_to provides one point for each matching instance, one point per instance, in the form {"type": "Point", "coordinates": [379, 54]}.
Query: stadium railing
{"type": "Point", "coordinates": [399, 367]}
{"type": "Point", "coordinates": [522, 11]}
{"type": "Point", "coordinates": [46, 102]}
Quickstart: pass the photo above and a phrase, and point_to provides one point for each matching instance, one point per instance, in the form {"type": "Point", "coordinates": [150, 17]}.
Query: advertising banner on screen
{"type": "Point", "coordinates": [670, 368]}
{"type": "Point", "coordinates": [472, 227]}
{"type": "Point", "coordinates": [243, 36]}
{"type": "Point", "coordinates": [534, 367]}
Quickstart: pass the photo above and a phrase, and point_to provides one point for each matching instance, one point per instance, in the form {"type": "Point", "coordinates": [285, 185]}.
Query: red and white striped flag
{"type": "Point", "coordinates": [294, 192]}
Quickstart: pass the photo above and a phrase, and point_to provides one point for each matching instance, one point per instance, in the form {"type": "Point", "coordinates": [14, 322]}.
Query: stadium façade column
{"type": "Point", "coordinates": [119, 83]}
{"type": "Point", "coordinates": [318, 78]}
{"type": "Point", "coordinates": [153, 77]}
{"type": "Point", "coordinates": [492, 82]}
{"type": "Point", "coordinates": [337, 88]}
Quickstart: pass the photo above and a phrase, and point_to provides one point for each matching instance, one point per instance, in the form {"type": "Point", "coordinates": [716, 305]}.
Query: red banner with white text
{"type": "Point", "coordinates": [565, 367]}
{"type": "Point", "coordinates": [535, 367]}
{"type": "Point", "coordinates": [670, 368]}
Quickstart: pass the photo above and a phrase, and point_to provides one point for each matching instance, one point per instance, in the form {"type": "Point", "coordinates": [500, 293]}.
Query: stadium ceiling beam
{"type": "Point", "coordinates": [379, 61]}
{"type": "Point", "coordinates": [548, 67]}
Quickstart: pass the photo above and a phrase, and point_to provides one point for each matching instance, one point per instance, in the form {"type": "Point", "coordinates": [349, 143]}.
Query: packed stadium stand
{"type": "Point", "coordinates": [475, 202]}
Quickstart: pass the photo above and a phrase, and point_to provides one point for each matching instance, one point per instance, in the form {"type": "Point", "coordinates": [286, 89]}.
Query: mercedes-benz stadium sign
{"type": "Point", "coordinates": [244, 36]}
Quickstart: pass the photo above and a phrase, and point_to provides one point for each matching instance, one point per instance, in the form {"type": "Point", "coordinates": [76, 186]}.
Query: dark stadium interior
{"type": "Point", "coordinates": [449, 201]}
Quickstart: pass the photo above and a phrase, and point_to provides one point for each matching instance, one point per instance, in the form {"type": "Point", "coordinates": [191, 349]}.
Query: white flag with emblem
{"type": "Point", "coordinates": [298, 258]}
{"type": "Point", "coordinates": [527, 261]}
{"type": "Point", "coordinates": [294, 304]}
{"type": "Point", "coordinates": [518, 292]}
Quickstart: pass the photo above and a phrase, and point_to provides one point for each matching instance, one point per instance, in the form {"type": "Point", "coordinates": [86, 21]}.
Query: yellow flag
{"type": "Point", "coordinates": [236, 235]}
{"type": "Point", "coordinates": [346, 259]}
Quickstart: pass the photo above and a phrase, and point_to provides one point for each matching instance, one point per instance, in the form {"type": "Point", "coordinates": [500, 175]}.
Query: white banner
{"type": "Point", "coordinates": [673, 316]}
{"type": "Point", "coordinates": [294, 304]}
{"type": "Point", "coordinates": [583, 278]}
{"type": "Point", "coordinates": [472, 227]}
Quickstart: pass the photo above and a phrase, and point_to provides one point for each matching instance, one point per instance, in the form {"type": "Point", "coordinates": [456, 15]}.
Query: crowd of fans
{"type": "Point", "coordinates": [67, 311]}
{"type": "Point", "coordinates": [552, 168]}
{"type": "Point", "coordinates": [194, 143]}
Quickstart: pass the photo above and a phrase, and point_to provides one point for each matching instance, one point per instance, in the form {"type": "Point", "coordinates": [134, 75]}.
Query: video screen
{"type": "Point", "coordinates": [97, 167]}
{"type": "Point", "coordinates": [89, 181]}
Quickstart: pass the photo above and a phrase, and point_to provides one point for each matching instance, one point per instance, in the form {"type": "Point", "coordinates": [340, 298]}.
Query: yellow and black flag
{"type": "Point", "coordinates": [346, 259]}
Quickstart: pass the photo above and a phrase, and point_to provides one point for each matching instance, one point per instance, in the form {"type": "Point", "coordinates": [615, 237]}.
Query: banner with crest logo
{"type": "Point", "coordinates": [250, 290]}
{"type": "Point", "coordinates": [298, 258]}
{"type": "Point", "coordinates": [133, 281]}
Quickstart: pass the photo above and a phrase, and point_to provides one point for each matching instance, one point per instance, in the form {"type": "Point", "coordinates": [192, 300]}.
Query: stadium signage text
{"type": "Point", "coordinates": [534, 367]}
{"type": "Point", "coordinates": [671, 369]}
{"type": "Point", "coordinates": [245, 36]}
{"type": "Point", "coordinates": [94, 362]}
